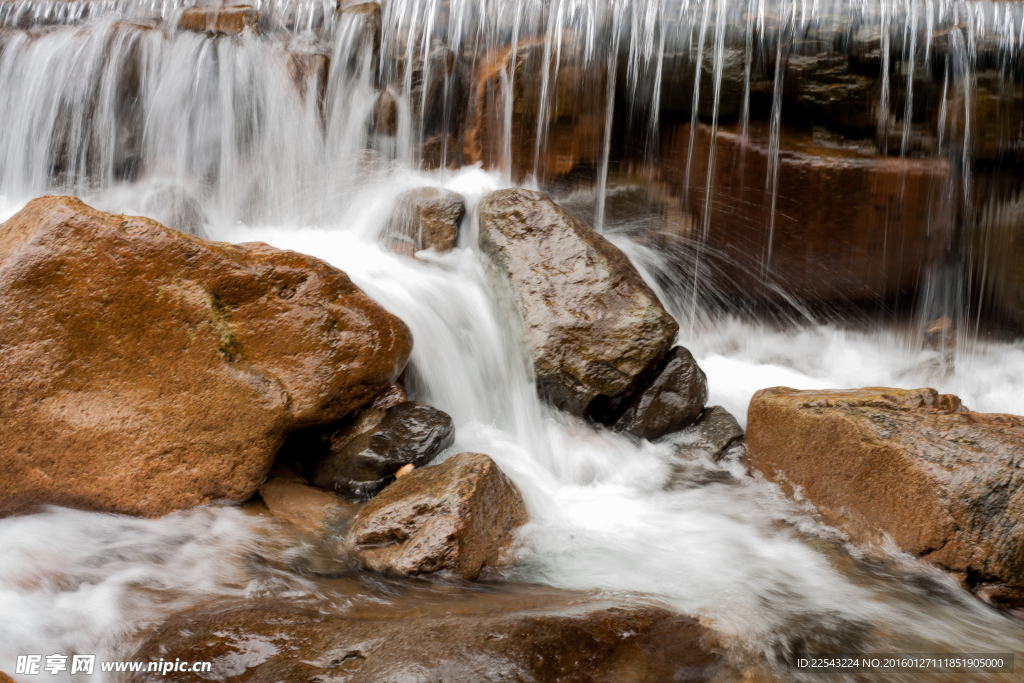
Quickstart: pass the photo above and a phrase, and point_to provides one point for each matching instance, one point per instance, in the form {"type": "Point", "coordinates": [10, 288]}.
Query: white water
{"type": "Point", "coordinates": [606, 513]}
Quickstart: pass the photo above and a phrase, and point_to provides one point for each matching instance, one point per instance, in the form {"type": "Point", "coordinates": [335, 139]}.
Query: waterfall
{"type": "Point", "coordinates": [806, 185]}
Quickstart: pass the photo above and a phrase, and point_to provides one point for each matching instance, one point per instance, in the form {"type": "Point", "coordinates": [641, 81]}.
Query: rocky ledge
{"type": "Point", "coordinates": [942, 482]}
{"type": "Point", "coordinates": [510, 634]}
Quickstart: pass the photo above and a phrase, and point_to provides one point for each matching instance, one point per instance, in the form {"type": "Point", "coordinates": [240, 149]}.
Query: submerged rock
{"type": "Point", "coordinates": [364, 460]}
{"type": "Point", "coordinates": [314, 510]}
{"type": "Point", "coordinates": [425, 218]}
{"type": "Point", "coordinates": [370, 14]}
{"type": "Point", "coordinates": [144, 371]}
{"type": "Point", "coordinates": [309, 72]}
{"type": "Point", "coordinates": [594, 326]}
{"type": "Point", "coordinates": [225, 20]}
{"type": "Point", "coordinates": [943, 482]}
{"type": "Point", "coordinates": [176, 208]}
{"type": "Point", "coordinates": [671, 399]}
{"type": "Point", "coordinates": [710, 436]}
{"type": "Point", "coordinates": [511, 634]}
{"type": "Point", "coordinates": [454, 517]}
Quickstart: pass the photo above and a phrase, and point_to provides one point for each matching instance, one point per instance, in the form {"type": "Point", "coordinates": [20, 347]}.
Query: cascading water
{"type": "Point", "coordinates": [699, 136]}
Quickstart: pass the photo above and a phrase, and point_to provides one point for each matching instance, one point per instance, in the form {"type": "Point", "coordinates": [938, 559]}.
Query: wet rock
{"type": "Point", "coordinates": [997, 254]}
{"type": "Point", "coordinates": [594, 326]}
{"type": "Point", "coordinates": [454, 517]}
{"type": "Point", "coordinates": [573, 117]}
{"type": "Point", "coordinates": [671, 399]}
{"type": "Point", "coordinates": [817, 250]}
{"type": "Point", "coordinates": [178, 209]}
{"type": "Point", "coordinates": [832, 94]}
{"type": "Point", "coordinates": [370, 14]}
{"type": "Point", "coordinates": [710, 436]}
{"type": "Point", "coordinates": [510, 634]}
{"type": "Point", "coordinates": [224, 20]}
{"type": "Point", "coordinates": [314, 510]}
{"type": "Point", "coordinates": [439, 151]}
{"type": "Point", "coordinates": [309, 73]}
{"type": "Point", "coordinates": [678, 80]}
{"type": "Point", "coordinates": [943, 482]}
{"type": "Point", "coordinates": [385, 114]}
{"type": "Point", "coordinates": [145, 371]}
{"type": "Point", "coordinates": [425, 218]}
{"type": "Point", "coordinates": [363, 461]}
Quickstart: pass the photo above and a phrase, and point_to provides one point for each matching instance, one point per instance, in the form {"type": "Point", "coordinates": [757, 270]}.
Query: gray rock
{"type": "Point", "coordinates": [455, 518]}
{"type": "Point", "coordinates": [177, 209]}
{"type": "Point", "coordinates": [594, 327]}
{"type": "Point", "coordinates": [672, 399]}
{"type": "Point", "coordinates": [425, 218]}
{"type": "Point", "coordinates": [360, 465]}
{"type": "Point", "coordinates": [710, 436]}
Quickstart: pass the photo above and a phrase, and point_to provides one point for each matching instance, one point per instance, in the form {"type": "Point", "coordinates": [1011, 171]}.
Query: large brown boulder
{"type": "Point", "coordinates": [455, 517]}
{"type": "Point", "coordinates": [943, 482]}
{"type": "Point", "coordinates": [513, 634]}
{"type": "Point", "coordinates": [594, 326]}
{"type": "Point", "coordinates": [143, 370]}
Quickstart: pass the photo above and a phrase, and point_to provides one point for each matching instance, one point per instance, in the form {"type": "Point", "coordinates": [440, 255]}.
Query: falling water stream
{"type": "Point", "coordinates": [594, 101]}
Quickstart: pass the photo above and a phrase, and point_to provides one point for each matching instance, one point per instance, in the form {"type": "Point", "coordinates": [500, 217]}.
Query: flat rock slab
{"type": "Point", "coordinates": [944, 483]}
{"type": "Point", "coordinates": [144, 371]}
{"type": "Point", "coordinates": [594, 326]}
{"type": "Point", "coordinates": [531, 636]}
{"type": "Point", "coordinates": [455, 517]}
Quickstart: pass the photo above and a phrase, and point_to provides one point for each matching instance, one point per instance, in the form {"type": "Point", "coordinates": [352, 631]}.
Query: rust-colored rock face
{"type": "Point", "coordinates": [593, 324]}
{"type": "Point", "coordinates": [225, 20]}
{"type": "Point", "coordinates": [454, 517]}
{"type": "Point", "coordinates": [838, 214]}
{"type": "Point", "coordinates": [144, 371]}
{"type": "Point", "coordinates": [511, 635]}
{"type": "Point", "coordinates": [943, 482]}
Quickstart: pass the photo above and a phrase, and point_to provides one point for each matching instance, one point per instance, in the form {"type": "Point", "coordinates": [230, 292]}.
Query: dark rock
{"type": "Point", "coordinates": [363, 463]}
{"type": "Point", "coordinates": [510, 634]}
{"type": "Point", "coordinates": [671, 399]}
{"type": "Point", "coordinates": [594, 326]}
{"type": "Point", "coordinates": [944, 483]}
{"type": "Point", "coordinates": [710, 436]}
{"type": "Point", "coordinates": [456, 517]}
{"type": "Point", "coordinates": [225, 20]}
{"type": "Point", "coordinates": [425, 218]}
{"type": "Point", "coordinates": [145, 371]}
{"type": "Point", "coordinates": [177, 209]}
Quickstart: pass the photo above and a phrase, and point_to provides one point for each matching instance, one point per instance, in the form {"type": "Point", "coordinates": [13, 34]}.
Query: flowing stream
{"type": "Point", "coordinates": [107, 101]}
